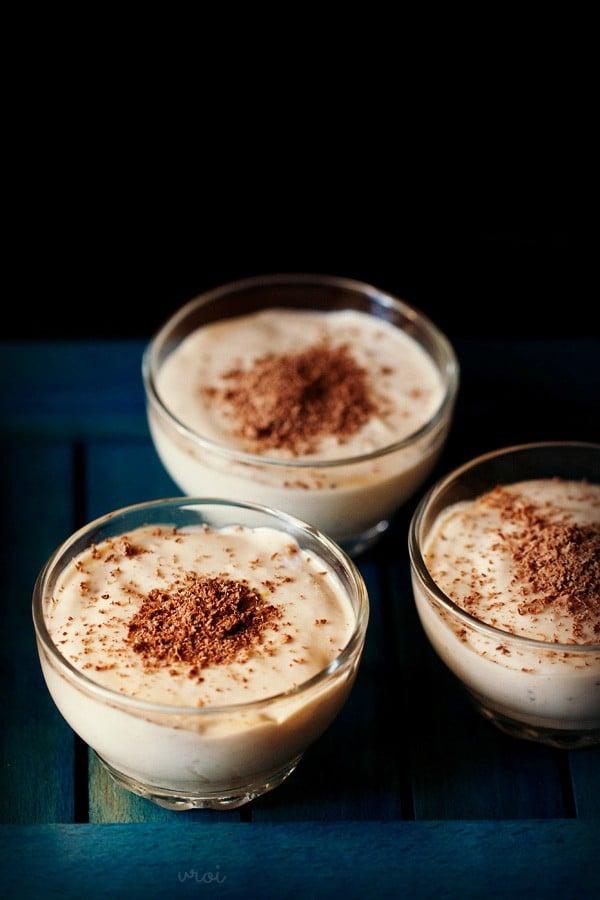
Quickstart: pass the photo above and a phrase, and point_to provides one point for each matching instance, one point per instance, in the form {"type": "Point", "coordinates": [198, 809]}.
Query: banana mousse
{"type": "Point", "coordinates": [301, 410]}
{"type": "Point", "coordinates": [206, 618]}
{"type": "Point", "coordinates": [212, 656]}
{"type": "Point", "coordinates": [297, 383]}
{"type": "Point", "coordinates": [525, 559]}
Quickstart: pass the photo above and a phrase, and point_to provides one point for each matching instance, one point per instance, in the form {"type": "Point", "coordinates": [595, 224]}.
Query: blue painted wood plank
{"type": "Point", "coordinates": [425, 860]}
{"type": "Point", "coordinates": [520, 391]}
{"type": "Point", "coordinates": [122, 472]}
{"type": "Point", "coordinates": [37, 749]}
{"type": "Point", "coordinates": [71, 389]}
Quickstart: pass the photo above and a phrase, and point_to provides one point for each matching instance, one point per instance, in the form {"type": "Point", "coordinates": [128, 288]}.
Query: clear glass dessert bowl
{"type": "Point", "coordinates": [505, 565]}
{"type": "Point", "coordinates": [155, 623]}
{"type": "Point", "coordinates": [338, 424]}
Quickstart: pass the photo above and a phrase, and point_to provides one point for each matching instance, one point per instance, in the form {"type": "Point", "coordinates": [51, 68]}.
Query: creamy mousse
{"type": "Point", "coordinates": [199, 618]}
{"type": "Point", "coordinates": [301, 391]}
{"type": "Point", "coordinates": [303, 384]}
{"type": "Point", "coordinates": [524, 558]}
{"type": "Point", "coordinates": [197, 645]}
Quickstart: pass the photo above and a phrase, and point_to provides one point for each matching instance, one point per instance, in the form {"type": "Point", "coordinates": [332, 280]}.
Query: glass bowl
{"type": "Point", "coordinates": [350, 493]}
{"type": "Point", "coordinates": [199, 745]}
{"type": "Point", "coordinates": [532, 681]}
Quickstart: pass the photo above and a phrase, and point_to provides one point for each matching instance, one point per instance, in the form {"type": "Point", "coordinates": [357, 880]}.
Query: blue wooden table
{"type": "Point", "coordinates": [410, 794]}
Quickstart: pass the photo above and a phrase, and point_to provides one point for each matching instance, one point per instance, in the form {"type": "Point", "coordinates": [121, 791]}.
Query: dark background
{"type": "Point", "coordinates": [112, 272]}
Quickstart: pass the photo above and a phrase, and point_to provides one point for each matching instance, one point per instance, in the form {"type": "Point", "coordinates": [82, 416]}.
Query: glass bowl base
{"type": "Point", "coordinates": [205, 799]}
{"type": "Point", "coordinates": [563, 739]}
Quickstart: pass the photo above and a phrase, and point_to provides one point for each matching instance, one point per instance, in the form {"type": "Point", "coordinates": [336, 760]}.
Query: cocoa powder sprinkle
{"type": "Point", "coordinates": [200, 621]}
{"type": "Point", "coordinates": [290, 400]}
{"type": "Point", "coordinates": [557, 562]}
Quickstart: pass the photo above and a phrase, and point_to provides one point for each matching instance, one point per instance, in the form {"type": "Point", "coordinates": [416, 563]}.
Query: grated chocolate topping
{"type": "Point", "coordinates": [557, 562]}
{"type": "Point", "coordinates": [201, 621]}
{"type": "Point", "coordinates": [288, 401]}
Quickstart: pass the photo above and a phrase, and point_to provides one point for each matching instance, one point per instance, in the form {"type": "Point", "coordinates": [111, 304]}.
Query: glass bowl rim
{"type": "Point", "coordinates": [82, 681]}
{"type": "Point", "coordinates": [435, 594]}
{"type": "Point", "coordinates": [450, 369]}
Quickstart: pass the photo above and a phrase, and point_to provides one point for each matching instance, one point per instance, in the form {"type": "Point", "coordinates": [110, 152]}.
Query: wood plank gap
{"type": "Point", "coordinates": [564, 767]}
{"type": "Point", "coordinates": [81, 804]}
{"type": "Point", "coordinates": [393, 662]}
